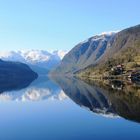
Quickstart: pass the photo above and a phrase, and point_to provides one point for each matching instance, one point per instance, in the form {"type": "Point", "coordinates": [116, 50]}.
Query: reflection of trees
{"type": "Point", "coordinates": [106, 97]}
{"type": "Point", "coordinates": [125, 100]}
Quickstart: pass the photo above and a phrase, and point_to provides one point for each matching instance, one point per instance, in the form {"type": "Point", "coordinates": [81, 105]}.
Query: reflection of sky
{"type": "Point", "coordinates": [55, 119]}
{"type": "Point", "coordinates": [60, 120]}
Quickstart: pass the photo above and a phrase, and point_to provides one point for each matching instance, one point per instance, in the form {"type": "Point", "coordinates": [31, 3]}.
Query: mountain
{"type": "Point", "coordinates": [39, 60]}
{"type": "Point", "coordinates": [15, 75]}
{"type": "Point", "coordinates": [127, 38]}
{"type": "Point", "coordinates": [99, 49]}
{"type": "Point", "coordinates": [124, 50]}
{"type": "Point", "coordinates": [85, 53]}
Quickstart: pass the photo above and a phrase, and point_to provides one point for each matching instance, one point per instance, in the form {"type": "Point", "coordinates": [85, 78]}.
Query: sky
{"type": "Point", "coordinates": [61, 24]}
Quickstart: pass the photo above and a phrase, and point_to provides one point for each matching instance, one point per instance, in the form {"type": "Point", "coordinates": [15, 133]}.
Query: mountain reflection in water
{"type": "Point", "coordinates": [109, 98]}
{"type": "Point", "coordinates": [40, 89]}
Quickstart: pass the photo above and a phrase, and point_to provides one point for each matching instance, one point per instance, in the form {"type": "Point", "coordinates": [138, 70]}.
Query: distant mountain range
{"type": "Point", "coordinates": [39, 60]}
{"type": "Point", "coordinates": [98, 49]}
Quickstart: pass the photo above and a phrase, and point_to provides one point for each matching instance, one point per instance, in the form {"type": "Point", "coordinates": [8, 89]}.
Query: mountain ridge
{"type": "Point", "coordinates": [98, 49]}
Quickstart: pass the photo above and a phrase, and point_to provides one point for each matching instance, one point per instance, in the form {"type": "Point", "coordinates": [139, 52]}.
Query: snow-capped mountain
{"type": "Point", "coordinates": [39, 60]}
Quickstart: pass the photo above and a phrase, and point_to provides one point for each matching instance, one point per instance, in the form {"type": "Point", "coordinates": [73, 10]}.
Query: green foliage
{"type": "Point", "coordinates": [128, 57]}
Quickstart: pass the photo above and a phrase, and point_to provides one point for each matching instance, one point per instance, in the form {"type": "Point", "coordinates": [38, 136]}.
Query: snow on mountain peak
{"type": "Point", "coordinates": [109, 32]}
{"type": "Point", "coordinates": [31, 55]}
{"type": "Point", "coordinates": [11, 55]}
{"type": "Point", "coordinates": [60, 53]}
{"type": "Point", "coordinates": [40, 61]}
{"type": "Point", "coordinates": [36, 55]}
{"type": "Point", "coordinates": [102, 36]}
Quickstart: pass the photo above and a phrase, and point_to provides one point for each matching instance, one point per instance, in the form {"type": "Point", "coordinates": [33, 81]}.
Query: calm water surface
{"type": "Point", "coordinates": [67, 108]}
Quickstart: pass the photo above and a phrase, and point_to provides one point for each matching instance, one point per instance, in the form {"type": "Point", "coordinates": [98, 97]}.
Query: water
{"type": "Point", "coordinates": [67, 108]}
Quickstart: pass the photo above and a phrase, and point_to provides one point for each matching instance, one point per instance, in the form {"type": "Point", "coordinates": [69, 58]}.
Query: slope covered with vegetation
{"type": "Point", "coordinates": [122, 58]}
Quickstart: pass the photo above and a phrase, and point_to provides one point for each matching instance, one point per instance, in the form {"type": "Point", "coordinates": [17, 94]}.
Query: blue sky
{"type": "Point", "coordinates": [61, 24]}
